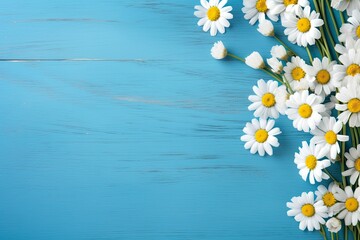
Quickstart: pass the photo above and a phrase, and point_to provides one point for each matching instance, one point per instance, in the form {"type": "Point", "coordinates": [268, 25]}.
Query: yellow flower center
{"type": "Point", "coordinates": [323, 77]}
{"type": "Point", "coordinates": [358, 31]}
{"type": "Point", "coordinates": [351, 204]}
{"type": "Point", "coordinates": [353, 69]}
{"type": "Point", "coordinates": [354, 105]}
{"type": "Point", "coordinates": [308, 210]}
{"type": "Point", "coordinates": [261, 6]}
{"type": "Point", "coordinates": [268, 100]}
{"type": "Point", "coordinates": [311, 162]}
{"type": "Point", "coordinates": [357, 165]}
{"type": "Point", "coordinates": [261, 135]}
{"type": "Point", "coordinates": [303, 25]}
{"type": "Point", "coordinates": [330, 137]}
{"type": "Point", "coordinates": [305, 110]}
{"type": "Point", "coordinates": [288, 2]}
{"type": "Point", "coordinates": [329, 199]}
{"type": "Point", "coordinates": [298, 73]}
{"type": "Point", "coordinates": [213, 13]}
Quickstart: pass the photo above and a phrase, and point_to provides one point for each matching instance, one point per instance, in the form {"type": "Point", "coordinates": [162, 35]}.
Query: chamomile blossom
{"type": "Point", "coordinates": [349, 98]}
{"type": "Point", "coordinates": [327, 196]}
{"type": "Point", "coordinates": [279, 51]}
{"type": "Point", "coordinates": [333, 225]}
{"type": "Point", "coordinates": [254, 60]}
{"type": "Point", "coordinates": [348, 205]}
{"type": "Point", "coordinates": [213, 15]}
{"type": "Point", "coordinates": [326, 135]}
{"type": "Point", "coordinates": [349, 44]}
{"type": "Point", "coordinates": [275, 64]}
{"type": "Point", "coordinates": [260, 136]}
{"type": "Point", "coordinates": [321, 76]}
{"type": "Point", "coordinates": [301, 27]}
{"type": "Point", "coordinates": [348, 5]}
{"type": "Point", "coordinates": [305, 110]}
{"type": "Point", "coordinates": [307, 211]}
{"type": "Point", "coordinates": [218, 51]}
{"type": "Point", "coordinates": [309, 162]}
{"type": "Point", "coordinates": [352, 28]}
{"type": "Point", "coordinates": [277, 7]}
{"type": "Point", "coordinates": [353, 164]}
{"type": "Point", "coordinates": [269, 100]}
{"type": "Point", "coordinates": [255, 10]}
{"type": "Point", "coordinates": [350, 67]}
{"type": "Point", "coordinates": [296, 74]}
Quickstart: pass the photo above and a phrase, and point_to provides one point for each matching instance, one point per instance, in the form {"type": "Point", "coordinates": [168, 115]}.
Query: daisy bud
{"type": "Point", "coordinates": [279, 52]}
{"type": "Point", "coordinates": [266, 28]}
{"type": "Point", "coordinates": [333, 225]}
{"type": "Point", "coordinates": [218, 51]}
{"type": "Point", "coordinates": [255, 61]}
{"type": "Point", "coordinates": [275, 64]}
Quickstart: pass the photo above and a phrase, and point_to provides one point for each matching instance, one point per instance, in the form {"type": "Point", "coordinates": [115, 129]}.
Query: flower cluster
{"type": "Point", "coordinates": [320, 94]}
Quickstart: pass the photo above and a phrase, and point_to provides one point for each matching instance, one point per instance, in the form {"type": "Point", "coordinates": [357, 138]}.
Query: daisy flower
{"type": "Point", "coordinates": [269, 100]}
{"type": "Point", "coordinates": [260, 136]}
{"type": "Point", "coordinates": [352, 28]}
{"type": "Point", "coordinates": [327, 196]}
{"type": "Point", "coordinates": [321, 76]}
{"type": "Point", "coordinates": [353, 163]}
{"type": "Point", "coordinates": [305, 110]}
{"type": "Point", "coordinates": [309, 162]}
{"type": "Point", "coordinates": [326, 135]}
{"type": "Point", "coordinates": [348, 205]}
{"type": "Point", "coordinates": [218, 51]}
{"type": "Point", "coordinates": [213, 16]}
{"type": "Point", "coordinates": [277, 7]}
{"type": "Point", "coordinates": [350, 67]}
{"type": "Point", "coordinates": [296, 74]}
{"type": "Point", "coordinates": [301, 27]}
{"type": "Point", "coordinates": [305, 210]}
{"type": "Point", "coordinates": [349, 5]}
{"type": "Point", "coordinates": [349, 43]}
{"type": "Point", "coordinates": [350, 104]}
{"type": "Point", "coordinates": [254, 60]}
{"type": "Point", "coordinates": [255, 10]}
{"type": "Point", "coordinates": [275, 64]}
{"type": "Point", "coordinates": [279, 51]}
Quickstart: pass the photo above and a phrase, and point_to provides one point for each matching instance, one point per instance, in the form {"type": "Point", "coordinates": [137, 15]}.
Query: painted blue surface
{"type": "Point", "coordinates": [144, 148]}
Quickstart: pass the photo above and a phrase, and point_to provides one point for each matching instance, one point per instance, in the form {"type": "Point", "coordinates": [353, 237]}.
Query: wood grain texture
{"type": "Point", "coordinates": [143, 147]}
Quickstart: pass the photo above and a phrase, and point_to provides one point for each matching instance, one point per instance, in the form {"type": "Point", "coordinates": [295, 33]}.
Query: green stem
{"type": "Point", "coordinates": [236, 57]}
{"type": "Point", "coordinates": [332, 177]}
{"type": "Point", "coordinates": [326, 25]}
{"type": "Point", "coordinates": [309, 54]}
{"type": "Point", "coordinates": [320, 49]}
{"type": "Point", "coordinates": [333, 18]}
{"type": "Point", "coordinates": [342, 17]}
{"type": "Point", "coordinates": [322, 232]}
{"type": "Point", "coordinates": [342, 156]}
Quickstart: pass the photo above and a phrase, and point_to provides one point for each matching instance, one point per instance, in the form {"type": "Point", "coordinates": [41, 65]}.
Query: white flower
{"type": "Point", "coordinates": [213, 16]}
{"type": "Point", "coordinates": [296, 74]}
{"type": "Point", "coordinates": [309, 213]}
{"type": "Point", "coordinates": [353, 164]}
{"type": "Point", "coordinates": [348, 205]}
{"type": "Point", "coordinates": [349, 5]}
{"type": "Point", "coordinates": [275, 64]}
{"type": "Point", "coordinates": [309, 162]}
{"type": "Point", "coordinates": [301, 27]}
{"type": "Point", "coordinates": [326, 135]}
{"type": "Point", "coordinates": [269, 100]}
{"type": "Point", "coordinates": [255, 10]}
{"type": "Point", "coordinates": [277, 7]}
{"type": "Point", "coordinates": [218, 51]}
{"type": "Point", "coordinates": [255, 60]}
{"type": "Point", "coordinates": [266, 28]}
{"type": "Point", "coordinates": [278, 51]}
{"type": "Point", "coordinates": [349, 44]}
{"type": "Point", "coordinates": [327, 196]}
{"type": "Point", "coordinates": [321, 76]}
{"type": "Point", "coordinates": [352, 28]}
{"type": "Point", "coordinates": [260, 136]}
{"type": "Point", "coordinates": [350, 67]}
{"type": "Point", "coordinates": [350, 104]}
{"type": "Point", "coordinates": [305, 110]}
{"type": "Point", "coordinates": [333, 225]}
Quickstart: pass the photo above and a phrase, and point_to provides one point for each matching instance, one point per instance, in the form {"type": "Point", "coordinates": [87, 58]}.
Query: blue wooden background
{"type": "Point", "coordinates": [145, 146]}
